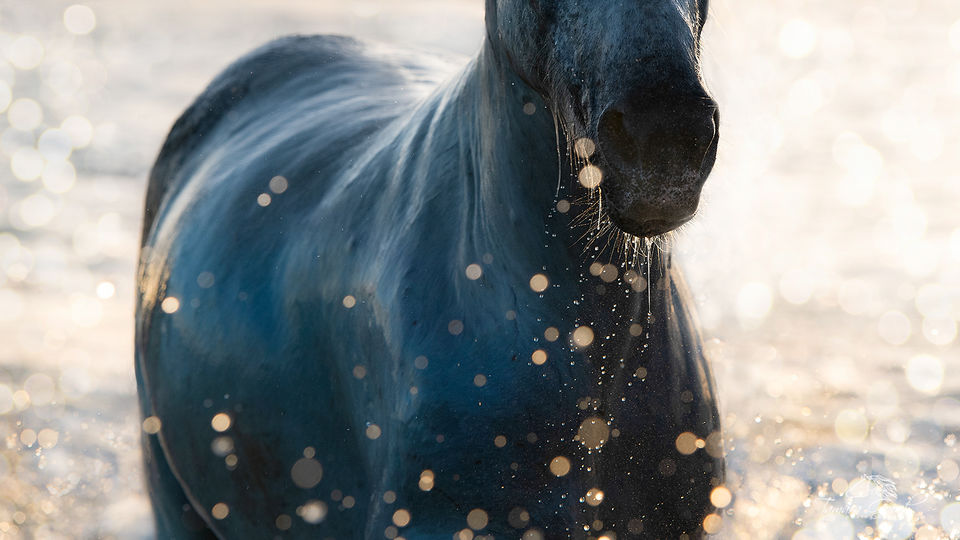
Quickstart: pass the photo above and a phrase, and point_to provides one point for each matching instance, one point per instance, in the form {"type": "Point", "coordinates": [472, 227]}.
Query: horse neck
{"type": "Point", "coordinates": [507, 168]}
{"type": "Point", "coordinates": [509, 155]}
{"type": "Point", "coordinates": [515, 157]}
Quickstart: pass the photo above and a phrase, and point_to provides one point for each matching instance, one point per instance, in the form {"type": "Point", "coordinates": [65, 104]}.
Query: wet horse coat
{"type": "Point", "coordinates": [329, 316]}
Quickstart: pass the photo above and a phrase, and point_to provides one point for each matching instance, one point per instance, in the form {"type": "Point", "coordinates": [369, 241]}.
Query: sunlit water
{"type": "Point", "coordinates": [825, 261]}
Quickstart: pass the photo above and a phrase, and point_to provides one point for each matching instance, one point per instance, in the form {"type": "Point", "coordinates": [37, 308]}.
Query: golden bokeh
{"type": "Point", "coordinates": [551, 334]}
{"type": "Point", "coordinates": [426, 480]}
{"type": "Point", "coordinates": [220, 511]}
{"type": "Point", "coordinates": [151, 425]}
{"type": "Point", "coordinates": [594, 497]}
{"type": "Point", "coordinates": [477, 519]}
{"type": "Point", "coordinates": [170, 305]}
{"type": "Point", "coordinates": [539, 283]}
{"type": "Point", "coordinates": [221, 422]}
{"type": "Point", "coordinates": [686, 443]}
{"type": "Point", "coordinates": [720, 497]}
{"type": "Point", "coordinates": [590, 176]}
{"type": "Point", "coordinates": [584, 148]}
{"type": "Point", "coordinates": [712, 524]}
{"type": "Point", "coordinates": [583, 336]}
{"type": "Point", "coordinates": [593, 433]}
{"type": "Point", "coordinates": [401, 518]}
{"type": "Point", "coordinates": [560, 466]}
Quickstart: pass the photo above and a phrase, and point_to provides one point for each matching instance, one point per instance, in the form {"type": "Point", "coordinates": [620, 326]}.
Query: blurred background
{"type": "Point", "coordinates": [825, 261]}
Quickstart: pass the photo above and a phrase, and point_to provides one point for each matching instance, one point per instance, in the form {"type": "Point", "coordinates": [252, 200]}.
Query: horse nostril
{"type": "Point", "coordinates": [673, 133]}
{"type": "Point", "coordinates": [660, 148]}
{"type": "Point", "coordinates": [618, 144]}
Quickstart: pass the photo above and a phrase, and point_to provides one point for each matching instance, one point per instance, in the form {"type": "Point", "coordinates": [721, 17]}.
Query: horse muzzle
{"type": "Point", "coordinates": [658, 150]}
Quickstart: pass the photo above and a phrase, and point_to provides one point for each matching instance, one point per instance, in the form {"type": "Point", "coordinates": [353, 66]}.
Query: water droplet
{"type": "Point", "coordinates": [151, 425]}
{"type": "Point", "coordinates": [306, 473]}
{"type": "Point", "coordinates": [539, 283]}
{"type": "Point", "coordinates": [25, 114]}
{"type": "Point", "coordinates": [426, 480]}
{"type": "Point", "coordinates": [79, 19]}
{"type": "Point", "coordinates": [25, 52]}
{"type": "Point", "coordinates": [925, 373]}
{"type": "Point", "coordinates": [313, 511]}
{"type": "Point", "coordinates": [590, 176]}
{"type": "Point", "coordinates": [593, 433]}
{"type": "Point", "coordinates": [221, 422]}
{"type": "Point", "coordinates": [851, 426]}
{"type": "Point", "coordinates": [220, 511]}
{"type": "Point", "coordinates": [720, 497]}
{"type": "Point", "coordinates": [594, 497]}
{"type": "Point", "coordinates": [712, 524]}
{"type": "Point", "coordinates": [205, 280]}
{"type": "Point", "coordinates": [278, 184]}
{"type": "Point", "coordinates": [560, 466]}
{"type": "Point", "coordinates": [170, 305]}
{"type": "Point", "coordinates": [583, 336]}
{"type": "Point", "coordinates": [584, 147]}
{"type": "Point", "coordinates": [686, 443]}
{"type": "Point", "coordinates": [401, 518]}
{"type": "Point", "coordinates": [477, 519]}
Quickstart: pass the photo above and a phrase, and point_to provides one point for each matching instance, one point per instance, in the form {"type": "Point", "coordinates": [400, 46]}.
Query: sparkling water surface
{"type": "Point", "coordinates": [825, 260]}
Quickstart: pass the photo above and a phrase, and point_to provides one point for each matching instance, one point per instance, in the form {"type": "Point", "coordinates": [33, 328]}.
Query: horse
{"type": "Point", "coordinates": [377, 302]}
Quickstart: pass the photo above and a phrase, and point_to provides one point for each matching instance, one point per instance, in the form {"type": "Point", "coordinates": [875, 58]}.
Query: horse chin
{"type": "Point", "coordinates": [658, 209]}
{"type": "Point", "coordinates": [646, 228]}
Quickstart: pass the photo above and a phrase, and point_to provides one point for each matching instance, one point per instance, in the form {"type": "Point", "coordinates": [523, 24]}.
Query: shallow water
{"type": "Point", "coordinates": [825, 260]}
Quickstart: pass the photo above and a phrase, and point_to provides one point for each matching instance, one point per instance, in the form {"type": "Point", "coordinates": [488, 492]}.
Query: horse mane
{"type": "Point", "coordinates": [341, 62]}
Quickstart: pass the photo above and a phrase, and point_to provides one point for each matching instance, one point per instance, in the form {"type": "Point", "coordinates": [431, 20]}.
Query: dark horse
{"type": "Point", "coordinates": [366, 309]}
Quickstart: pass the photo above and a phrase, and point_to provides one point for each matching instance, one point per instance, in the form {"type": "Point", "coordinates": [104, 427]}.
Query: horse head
{"type": "Point", "coordinates": [623, 79]}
